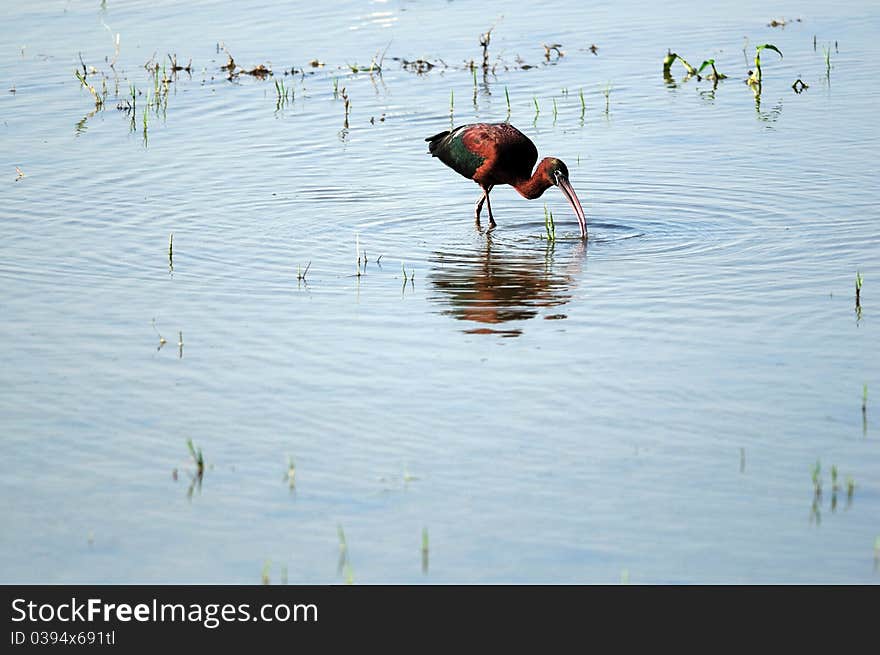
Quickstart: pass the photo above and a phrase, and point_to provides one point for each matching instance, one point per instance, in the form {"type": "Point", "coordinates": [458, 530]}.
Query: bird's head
{"type": "Point", "coordinates": [557, 174]}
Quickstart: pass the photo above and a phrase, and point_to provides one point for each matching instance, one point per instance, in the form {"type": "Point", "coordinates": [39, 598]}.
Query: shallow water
{"type": "Point", "coordinates": [647, 407]}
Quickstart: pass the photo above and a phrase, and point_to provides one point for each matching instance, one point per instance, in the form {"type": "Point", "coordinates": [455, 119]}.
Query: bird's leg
{"type": "Point", "coordinates": [479, 207]}
{"type": "Point", "coordinates": [489, 207]}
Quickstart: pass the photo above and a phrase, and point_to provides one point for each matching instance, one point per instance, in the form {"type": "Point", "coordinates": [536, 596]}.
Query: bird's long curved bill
{"type": "Point", "coordinates": [572, 198]}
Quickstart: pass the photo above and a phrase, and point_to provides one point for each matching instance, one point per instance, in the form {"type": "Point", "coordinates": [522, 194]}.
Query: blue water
{"type": "Point", "coordinates": [648, 407]}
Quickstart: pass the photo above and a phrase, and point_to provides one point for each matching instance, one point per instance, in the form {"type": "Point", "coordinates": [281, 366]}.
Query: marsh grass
{"type": "Point", "coordinates": [671, 58]}
{"type": "Point", "coordinates": [714, 75]}
{"type": "Point", "coordinates": [836, 488]}
{"type": "Point", "coordinates": [425, 550]}
{"type": "Point", "coordinates": [859, 281]}
{"type": "Point", "coordinates": [451, 107]}
{"type": "Point", "coordinates": [343, 566]}
{"type": "Point", "coordinates": [474, 71]}
{"type": "Point", "coordinates": [283, 95]}
{"type": "Point", "coordinates": [756, 77]}
{"type": "Point", "coordinates": [549, 225]}
{"type": "Point", "coordinates": [162, 340]}
{"type": "Point", "coordinates": [197, 457]}
{"type": "Point", "coordinates": [290, 475]}
{"type": "Point", "coordinates": [198, 460]}
{"type": "Point", "coordinates": [347, 107]}
{"type": "Point", "coordinates": [97, 97]}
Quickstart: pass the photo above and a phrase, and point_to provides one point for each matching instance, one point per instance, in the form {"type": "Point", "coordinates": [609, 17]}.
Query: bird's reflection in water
{"type": "Point", "coordinates": [496, 284]}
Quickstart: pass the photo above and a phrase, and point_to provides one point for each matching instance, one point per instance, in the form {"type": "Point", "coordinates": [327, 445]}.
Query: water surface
{"type": "Point", "coordinates": [648, 406]}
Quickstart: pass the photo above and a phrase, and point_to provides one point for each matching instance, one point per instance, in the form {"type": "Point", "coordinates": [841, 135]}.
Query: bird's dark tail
{"type": "Point", "coordinates": [434, 141]}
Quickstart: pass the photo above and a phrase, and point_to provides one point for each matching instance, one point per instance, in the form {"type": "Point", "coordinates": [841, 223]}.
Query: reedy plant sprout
{"type": "Point", "coordinates": [424, 550]}
{"type": "Point", "coordinates": [474, 71]}
{"type": "Point", "coordinates": [715, 74]}
{"type": "Point", "coordinates": [197, 457]}
{"type": "Point", "coordinates": [99, 99]}
{"type": "Point", "coordinates": [549, 225]}
{"type": "Point", "coordinates": [290, 476]}
{"type": "Point", "coordinates": [756, 76]}
{"type": "Point", "coordinates": [451, 106]}
{"type": "Point", "coordinates": [283, 94]}
{"type": "Point", "coordinates": [670, 59]}
{"type": "Point", "coordinates": [343, 564]}
{"type": "Point", "coordinates": [858, 295]}
{"type": "Point", "coordinates": [817, 478]}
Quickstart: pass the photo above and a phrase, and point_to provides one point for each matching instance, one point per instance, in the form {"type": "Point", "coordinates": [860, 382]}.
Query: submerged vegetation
{"type": "Point", "coordinates": [836, 488]}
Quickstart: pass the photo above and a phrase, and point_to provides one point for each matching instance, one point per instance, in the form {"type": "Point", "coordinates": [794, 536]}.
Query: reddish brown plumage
{"type": "Point", "coordinates": [498, 153]}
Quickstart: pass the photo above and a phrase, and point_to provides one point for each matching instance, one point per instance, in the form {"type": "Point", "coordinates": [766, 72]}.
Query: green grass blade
{"type": "Point", "coordinates": [769, 46]}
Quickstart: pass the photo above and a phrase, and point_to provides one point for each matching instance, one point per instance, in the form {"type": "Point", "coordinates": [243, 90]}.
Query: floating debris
{"type": "Point", "coordinates": [799, 86]}
{"type": "Point", "coordinates": [177, 67]}
{"type": "Point", "coordinates": [260, 71]}
{"type": "Point", "coordinates": [782, 22]}
{"type": "Point", "coordinates": [553, 47]}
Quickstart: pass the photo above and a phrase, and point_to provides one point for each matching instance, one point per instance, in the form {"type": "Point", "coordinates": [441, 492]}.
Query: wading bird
{"type": "Point", "coordinates": [498, 153]}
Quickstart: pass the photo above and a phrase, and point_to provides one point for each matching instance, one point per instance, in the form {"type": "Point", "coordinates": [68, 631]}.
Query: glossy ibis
{"type": "Point", "coordinates": [498, 153]}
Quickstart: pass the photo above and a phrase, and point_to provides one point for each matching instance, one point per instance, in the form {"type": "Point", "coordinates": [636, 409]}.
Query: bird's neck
{"type": "Point", "coordinates": [534, 186]}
